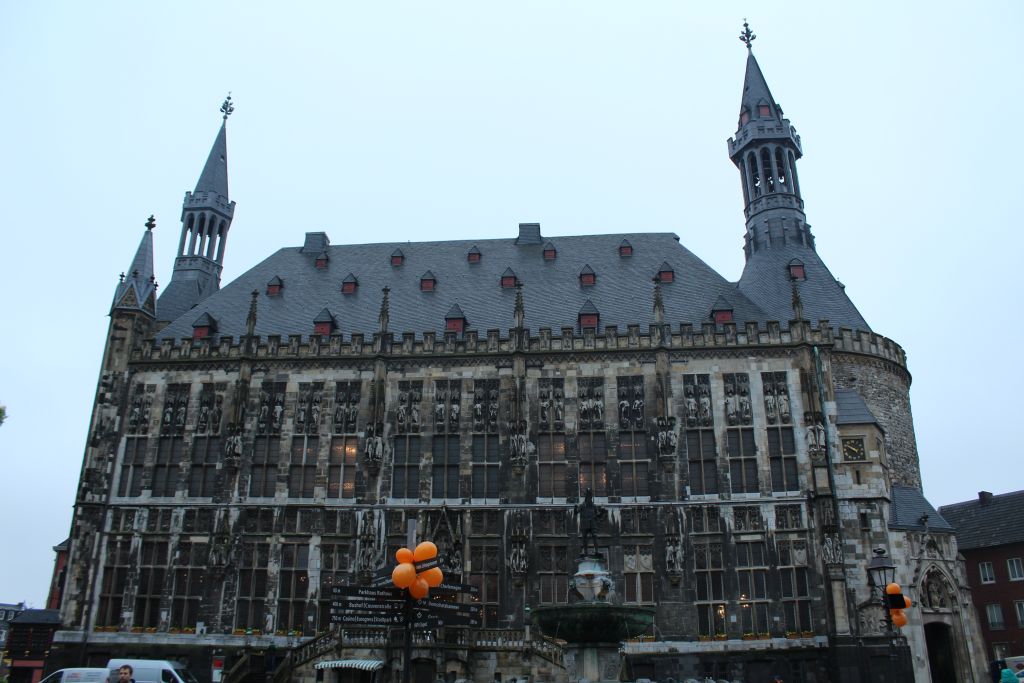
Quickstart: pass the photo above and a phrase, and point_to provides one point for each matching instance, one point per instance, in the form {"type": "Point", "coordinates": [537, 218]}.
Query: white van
{"type": "Point", "coordinates": [77, 676]}
{"type": "Point", "coordinates": [151, 671]}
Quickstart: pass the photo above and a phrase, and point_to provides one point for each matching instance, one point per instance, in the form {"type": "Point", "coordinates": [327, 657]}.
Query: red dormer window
{"type": "Point", "coordinates": [588, 320]}
{"type": "Point", "coordinates": [587, 279]}
{"type": "Point", "coordinates": [473, 255]}
{"type": "Point", "coordinates": [744, 116]}
{"type": "Point", "coordinates": [508, 281]}
{"type": "Point", "coordinates": [722, 317]}
{"type": "Point", "coordinates": [666, 276]}
{"type": "Point", "coordinates": [455, 324]}
{"type": "Point", "coordinates": [201, 332]}
{"type": "Point", "coordinates": [428, 282]}
{"type": "Point", "coordinates": [625, 250]}
{"type": "Point", "coordinates": [321, 262]}
{"type": "Point", "coordinates": [204, 326]}
{"type": "Point", "coordinates": [550, 254]}
{"type": "Point", "coordinates": [321, 328]}
{"type": "Point", "coordinates": [348, 287]}
{"type": "Point", "coordinates": [764, 110]}
{"type": "Point", "coordinates": [796, 271]}
{"type": "Point", "coordinates": [274, 286]}
{"type": "Point", "coordinates": [397, 257]}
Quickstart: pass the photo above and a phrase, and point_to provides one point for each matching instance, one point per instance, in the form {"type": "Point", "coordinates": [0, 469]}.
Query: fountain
{"type": "Point", "coordinates": [595, 624]}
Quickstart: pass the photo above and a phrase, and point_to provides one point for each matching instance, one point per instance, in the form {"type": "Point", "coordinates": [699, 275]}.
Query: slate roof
{"type": "Point", "coordinates": [766, 282]}
{"type": "Point", "coordinates": [908, 506]}
{"type": "Point", "coordinates": [551, 291]}
{"type": "Point", "coordinates": [852, 410]}
{"type": "Point", "coordinates": [1000, 521]}
{"type": "Point", "coordinates": [37, 616]}
{"type": "Point", "coordinates": [214, 177]}
{"type": "Point", "coordinates": [755, 90]}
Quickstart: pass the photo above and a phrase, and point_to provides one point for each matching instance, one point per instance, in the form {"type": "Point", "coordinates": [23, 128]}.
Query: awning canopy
{"type": "Point", "coordinates": [362, 664]}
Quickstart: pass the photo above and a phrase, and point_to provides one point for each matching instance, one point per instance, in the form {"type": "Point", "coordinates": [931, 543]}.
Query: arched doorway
{"type": "Point", "coordinates": [941, 652]}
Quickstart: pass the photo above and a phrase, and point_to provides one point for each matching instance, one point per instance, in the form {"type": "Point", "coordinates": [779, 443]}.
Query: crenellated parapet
{"type": "Point", "coordinates": [708, 336]}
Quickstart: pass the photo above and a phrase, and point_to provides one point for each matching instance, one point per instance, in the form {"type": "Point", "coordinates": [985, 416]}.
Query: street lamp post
{"type": "Point", "coordinates": [882, 572]}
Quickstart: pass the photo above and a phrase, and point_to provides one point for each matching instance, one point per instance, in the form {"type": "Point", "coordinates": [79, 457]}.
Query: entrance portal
{"type": "Point", "coordinates": [941, 657]}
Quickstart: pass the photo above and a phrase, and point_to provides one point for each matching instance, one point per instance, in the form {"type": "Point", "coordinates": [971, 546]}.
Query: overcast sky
{"type": "Point", "coordinates": [453, 120]}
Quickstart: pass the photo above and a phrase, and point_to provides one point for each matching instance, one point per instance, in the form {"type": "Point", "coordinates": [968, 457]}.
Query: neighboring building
{"type": "Point", "coordinates": [752, 442]}
{"type": "Point", "coordinates": [28, 643]}
{"type": "Point", "coordinates": [8, 610]}
{"type": "Point", "coordinates": [990, 535]}
{"type": "Point", "coordinates": [56, 593]}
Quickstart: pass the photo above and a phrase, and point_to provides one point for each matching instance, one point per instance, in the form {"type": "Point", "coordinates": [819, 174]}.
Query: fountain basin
{"type": "Point", "coordinates": [593, 622]}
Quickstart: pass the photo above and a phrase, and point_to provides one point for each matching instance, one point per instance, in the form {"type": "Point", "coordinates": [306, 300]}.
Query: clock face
{"type": "Point", "coordinates": [853, 449]}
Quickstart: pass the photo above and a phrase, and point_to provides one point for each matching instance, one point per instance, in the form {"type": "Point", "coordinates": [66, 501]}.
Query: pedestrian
{"type": "Point", "coordinates": [125, 674]}
{"type": "Point", "coordinates": [1007, 676]}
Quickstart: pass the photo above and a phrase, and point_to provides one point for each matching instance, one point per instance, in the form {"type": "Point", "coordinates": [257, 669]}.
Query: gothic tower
{"type": "Point", "coordinates": [206, 216]}
{"type": "Point", "coordinates": [779, 247]}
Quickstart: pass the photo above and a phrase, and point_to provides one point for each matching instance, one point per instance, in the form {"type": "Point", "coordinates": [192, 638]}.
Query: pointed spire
{"type": "Point", "coordinates": [214, 177]}
{"type": "Point", "coordinates": [137, 290]}
{"type": "Point", "coordinates": [385, 316]}
{"type": "Point", "coordinates": [659, 304]}
{"type": "Point", "coordinates": [519, 315]}
{"type": "Point", "coordinates": [757, 101]}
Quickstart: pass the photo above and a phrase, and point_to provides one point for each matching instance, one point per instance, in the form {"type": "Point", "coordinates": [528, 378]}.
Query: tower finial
{"type": "Point", "coordinates": [151, 223]}
{"type": "Point", "coordinates": [747, 36]}
{"type": "Point", "coordinates": [228, 108]}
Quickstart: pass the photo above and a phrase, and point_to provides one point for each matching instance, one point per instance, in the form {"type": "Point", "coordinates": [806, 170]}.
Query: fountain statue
{"type": "Point", "coordinates": [596, 622]}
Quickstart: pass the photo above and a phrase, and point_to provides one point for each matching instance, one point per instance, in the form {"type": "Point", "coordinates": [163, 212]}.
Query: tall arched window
{"type": "Point", "coordinates": [755, 176]}
{"type": "Point", "coordinates": [780, 167]}
{"type": "Point", "coordinates": [766, 168]}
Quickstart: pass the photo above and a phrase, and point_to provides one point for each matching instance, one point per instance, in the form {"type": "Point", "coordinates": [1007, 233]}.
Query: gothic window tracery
{"type": "Point", "coordinates": [700, 435]}
{"type": "Point", "coordinates": [445, 443]}
{"type": "Point", "coordinates": [781, 440]}
{"type": "Point", "coordinates": [266, 454]}
{"type": "Point", "coordinates": [341, 460]}
{"type": "Point", "coordinates": [634, 457]}
{"type": "Point", "coordinates": [171, 444]}
{"type": "Point", "coordinates": [796, 600]}
{"type": "Point", "coordinates": [593, 449]}
{"type": "Point", "coordinates": [486, 456]}
{"type": "Point", "coordinates": [551, 461]}
{"type": "Point", "coordinates": [740, 445]}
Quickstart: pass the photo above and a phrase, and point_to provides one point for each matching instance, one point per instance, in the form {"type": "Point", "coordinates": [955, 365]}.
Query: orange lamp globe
{"type": "Point", "coordinates": [403, 555]}
{"type": "Point", "coordinates": [425, 551]}
{"type": "Point", "coordinates": [433, 577]}
{"type": "Point", "coordinates": [403, 575]}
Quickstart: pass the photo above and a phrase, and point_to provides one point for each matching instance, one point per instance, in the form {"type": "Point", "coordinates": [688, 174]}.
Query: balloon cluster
{"type": "Point", "coordinates": [897, 603]}
{"type": "Point", "coordinates": [406, 576]}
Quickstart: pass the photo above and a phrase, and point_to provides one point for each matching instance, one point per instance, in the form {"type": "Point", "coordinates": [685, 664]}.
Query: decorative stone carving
{"type": "Point", "coordinates": [175, 412]}
{"type": "Point", "coordinates": [307, 408]}
{"type": "Point", "coordinates": [697, 401]}
{"type": "Point", "coordinates": [444, 528]}
{"type": "Point", "coordinates": [485, 406]}
{"type": "Point", "coordinates": [831, 549]}
{"type": "Point", "coordinates": [631, 403]}
{"type": "Point", "coordinates": [666, 438]}
{"type": "Point", "coordinates": [588, 515]}
{"type": "Point", "coordinates": [140, 411]}
{"type": "Point", "coordinates": [271, 410]}
{"type": "Point", "coordinates": [368, 556]}
{"type": "Point", "coordinates": [552, 405]}
{"type": "Point", "coordinates": [871, 619]}
{"type": "Point", "coordinates": [674, 559]}
{"type": "Point", "coordinates": [738, 408]}
{"type": "Point", "coordinates": [590, 403]}
{"type": "Point", "coordinates": [346, 407]}
{"type": "Point", "coordinates": [776, 397]}
{"type": "Point", "coordinates": [407, 408]}
{"type": "Point", "coordinates": [373, 448]}
{"type": "Point", "coordinates": [815, 436]}
{"type": "Point", "coordinates": [747, 518]}
{"type": "Point", "coordinates": [447, 405]}
{"type": "Point", "coordinates": [520, 447]}
{"type": "Point", "coordinates": [519, 538]}
{"type": "Point", "coordinates": [936, 591]}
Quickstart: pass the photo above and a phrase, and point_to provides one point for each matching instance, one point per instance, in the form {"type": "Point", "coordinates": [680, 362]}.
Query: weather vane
{"type": "Point", "coordinates": [747, 36]}
{"type": "Point", "coordinates": [227, 108]}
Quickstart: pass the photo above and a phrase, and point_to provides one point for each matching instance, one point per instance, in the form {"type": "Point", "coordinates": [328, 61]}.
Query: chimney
{"type": "Point", "coordinates": [315, 242]}
{"type": "Point", "coordinates": [529, 233]}
{"type": "Point", "coordinates": [984, 497]}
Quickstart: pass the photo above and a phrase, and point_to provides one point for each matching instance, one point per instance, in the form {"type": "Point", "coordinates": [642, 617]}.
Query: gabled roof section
{"type": "Point", "coordinates": [324, 316]}
{"type": "Point", "coordinates": [214, 177]}
{"type": "Point", "coordinates": [721, 304]}
{"type": "Point", "coordinates": [988, 521]}
{"type": "Point", "coordinates": [351, 277]}
{"type": "Point", "coordinates": [852, 410]}
{"type": "Point", "coordinates": [275, 282]}
{"type": "Point", "coordinates": [137, 289]}
{"type": "Point", "coordinates": [454, 313]}
{"type": "Point", "coordinates": [428, 276]}
{"type": "Point", "coordinates": [587, 270]}
{"type": "Point", "coordinates": [908, 511]}
{"type": "Point", "coordinates": [205, 320]}
{"type": "Point", "coordinates": [589, 308]}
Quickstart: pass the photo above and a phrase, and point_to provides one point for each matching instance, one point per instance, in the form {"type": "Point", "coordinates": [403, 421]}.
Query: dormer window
{"type": "Point", "coordinates": [508, 279]}
{"type": "Point", "coordinates": [744, 116]}
{"type": "Point", "coordinates": [666, 274]}
{"type": "Point", "coordinates": [204, 326]}
{"type": "Point", "coordinates": [274, 286]}
{"type": "Point", "coordinates": [796, 270]}
{"type": "Point", "coordinates": [473, 255]}
{"type": "Point", "coordinates": [721, 312]}
{"type": "Point", "coordinates": [589, 317]}
{"type": "Point", "coordinates": [588, 278]}
{"type": "Point", "coordinates": [625, 248]}
{"type": "Point", "coordinates": [550, 253]}
{"type": "Point", "coordinates": [350, 284]}
{"type": "Point", "coordinates": [397, 257]}
{"type": "Point", "coordinates": [455, 320]}
{"type": "Point", "coordinates": [764, 110]}
{"type": "Point", "coordinates": [321, 260]}
{"type": "Point", "coordinates": [323, 323]}
{"type": "Point", "coordinates": [427, 282]}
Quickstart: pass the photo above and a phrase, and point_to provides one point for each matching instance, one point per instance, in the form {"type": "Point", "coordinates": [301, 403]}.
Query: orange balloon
{"type": "Point", "coordinates": [403, 575]}
{"type": "Point", "coordinates": [907, 601]}
{"type": "Point", "coordinates": [433, 577]}
{"type": "Point", "coordinates": [419, 589]}
{"type": "Point", "coordinates": [892, 588]}
{"type": "Point", "coordinates": [899, 619]}
{"type": "Point", "coordinates": [403, 555]}
{"type": "Point", "coordinates": [425, 551]}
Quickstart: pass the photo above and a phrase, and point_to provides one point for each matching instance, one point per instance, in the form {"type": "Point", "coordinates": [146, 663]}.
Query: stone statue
{"type": "Point", "coordinates": [589, 514]}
